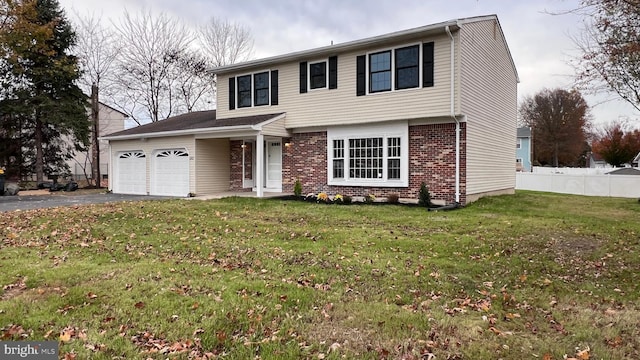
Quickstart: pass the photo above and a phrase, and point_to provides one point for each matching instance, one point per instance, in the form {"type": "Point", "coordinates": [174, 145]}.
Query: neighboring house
{"type": "Point", "coordinates": [636, 161]}
{"type": "Point", "coordinates": [523, 149]}
{"type": "Point", "coordinates": [434, 104]}
{"type": "Point", "coordinates": [625, 171]}
{"type": "Point", "coordinates": [596, 161]}
{"type": "Point", "coordinates": [110, 121]}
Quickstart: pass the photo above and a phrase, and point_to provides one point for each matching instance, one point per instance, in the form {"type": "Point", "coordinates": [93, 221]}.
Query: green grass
{"type": "Point", "coordinates": [527, 276]}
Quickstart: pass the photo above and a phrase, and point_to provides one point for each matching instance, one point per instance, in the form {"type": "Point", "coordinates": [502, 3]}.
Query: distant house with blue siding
{"type": "Point", "coordinates": [523, 149]}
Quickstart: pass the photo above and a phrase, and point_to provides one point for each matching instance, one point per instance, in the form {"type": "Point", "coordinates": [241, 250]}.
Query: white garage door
{"type": "Point", "coordinates": [131, 173]}
{"type": "Point", "coordinates": [170, 175]}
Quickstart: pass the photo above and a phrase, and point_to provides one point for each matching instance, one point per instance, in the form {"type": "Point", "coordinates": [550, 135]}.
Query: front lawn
{"type": "Point", "coordinates": [529, 276]}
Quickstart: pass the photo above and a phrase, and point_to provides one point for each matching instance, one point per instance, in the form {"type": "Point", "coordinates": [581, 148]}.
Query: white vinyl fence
{"type": "Point", "coordinates": [626, 186]}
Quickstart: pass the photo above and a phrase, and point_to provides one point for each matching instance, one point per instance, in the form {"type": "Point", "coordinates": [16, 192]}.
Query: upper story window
{"type": "Point", "coordinates": [319, 74]}
{"type": "Point", "coordinates": [244, 91]}
{"type": "Point", "coordinates": [518, 143]}
{"type": "Point", "coordinates": [261, 88]}
{"type": "Point", "coordinates": [380, 71]}
{"type": "Point", "coordinates": [256, 89]}
{"type": "Point", "coordinates": [395, 69]}
{"type": "Point", "coordinates": [407, 69]}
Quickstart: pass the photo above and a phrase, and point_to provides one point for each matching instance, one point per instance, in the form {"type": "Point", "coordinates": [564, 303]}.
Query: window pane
{"type": "Point", "coordinates": [380, 61]}
{"type": "Point", "coordinates": [261, 80]}
{"type": "Point", "coordinates": [381, 81]}
{"type": "Point", "coordinates": [407, 78]}
{"type": "Point", "coordinates": [244, 91]}
{"type": "Point", "coordinates": [338, 169]}
{"type": "Point", "coordinates": [393, 169]}
{"type": "Point", "coordinates": [366, 158]}
{"type": "Point", "coordinates": [407, 57]}
{"type": "Point", "coordinates": [244, 83]}
{"type": "Point", "coordinates": [262, 97]}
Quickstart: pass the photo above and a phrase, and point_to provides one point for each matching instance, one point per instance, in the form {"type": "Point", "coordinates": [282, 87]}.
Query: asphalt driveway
{"type": "Point", "coordinates": [29, 202]}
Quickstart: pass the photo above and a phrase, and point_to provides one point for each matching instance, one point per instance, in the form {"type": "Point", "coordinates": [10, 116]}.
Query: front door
{"type": "Point", "coordinates": [274, 164]}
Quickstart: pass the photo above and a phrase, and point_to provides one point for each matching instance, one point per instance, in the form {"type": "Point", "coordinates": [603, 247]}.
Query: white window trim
{"type": "Point", "coordinates": [253, 98]}
{"type": "Point", "coordinates": [519, 160]}
{"type": "Point", "coordinates": [326, 74]}
{"type": "Point", "coordinates": [397, 129]}
{"type": "Point", "coordinates": [518, 143]}
{"type": "Point", "coordinates": [393, 68]}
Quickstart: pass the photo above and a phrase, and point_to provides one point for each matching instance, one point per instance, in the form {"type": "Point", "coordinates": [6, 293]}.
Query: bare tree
{"type": "Point", "coordinates": [194, 84]}
{"type": "Point", "coordinates": [225, 42]}
{"type": "Point", "coordinates": [146, 77]}
{"type": "Point", "coordinates": [97, 50]}
{"type": "Point", "coordinates": [609, 48]}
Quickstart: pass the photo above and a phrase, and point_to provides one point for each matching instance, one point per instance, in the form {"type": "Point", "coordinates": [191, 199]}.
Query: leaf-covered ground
{"type": "Point", "coordinates": [529, 276]}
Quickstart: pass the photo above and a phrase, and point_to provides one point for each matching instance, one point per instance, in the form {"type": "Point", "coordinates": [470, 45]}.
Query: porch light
{"type": "Point", "coordinates": [287, 144]}
{"type": "Point", "coordinates": [243, 146]}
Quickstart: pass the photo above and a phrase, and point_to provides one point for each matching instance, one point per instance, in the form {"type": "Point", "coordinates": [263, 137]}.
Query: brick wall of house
{"type": "Point", "coordinates": [235, 181]}
{"type": "Point", "coordinates": [432, 160]}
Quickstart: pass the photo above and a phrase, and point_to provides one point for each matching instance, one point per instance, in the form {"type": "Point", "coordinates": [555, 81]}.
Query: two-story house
{"type": "Point", "coordinates": [523, 149]}
{"type": "Point", "coordinates": [381, 115]}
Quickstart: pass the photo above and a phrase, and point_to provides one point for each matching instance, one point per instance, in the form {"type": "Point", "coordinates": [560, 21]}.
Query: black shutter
{"type": "Point", "coordinates": [303, 77]}
{"type": "Point", "coordinates": [232, 93]}
{"type": "Point", "coordinates": [427, 64]}
{"type": "Point", "coordinates": [361, 75]}
{"type": "Point", "coordinates": [274, 87]}
{"type": "Point", "coordinates": [333, 72]}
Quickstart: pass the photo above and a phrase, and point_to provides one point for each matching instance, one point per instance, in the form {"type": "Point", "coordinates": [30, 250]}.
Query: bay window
{"type": "Point", "coordinates": [378, 157]}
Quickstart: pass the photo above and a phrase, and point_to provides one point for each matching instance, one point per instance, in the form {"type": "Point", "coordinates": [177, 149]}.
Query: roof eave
{"type": "Point", "coordinates": [180, 132]}
{"type": "Point", "coordinates": [331, 49]}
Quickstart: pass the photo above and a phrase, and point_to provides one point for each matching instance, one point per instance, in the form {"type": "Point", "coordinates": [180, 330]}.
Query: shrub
{"type": "Point", "coordinates": [338, 199]}
{"type": "Point", "coordinates": [347, 199]}
{"type": "Point", "coordinates": [297, 188]}
{"type": "Point", "coordinates": [424, 198]}
{"type": "Point", "coordinates": [393, 198]}
{"type": "Point", "coordinates": [369, 199]}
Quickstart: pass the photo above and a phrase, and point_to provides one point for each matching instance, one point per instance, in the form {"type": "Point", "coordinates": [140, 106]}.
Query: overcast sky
{"type": "Point", "coordinates": [540, 43]}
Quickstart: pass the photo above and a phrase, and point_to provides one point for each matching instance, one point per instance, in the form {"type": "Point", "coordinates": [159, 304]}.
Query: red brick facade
{"type": "Point", "coordinates": [432, 159]}
{"type": "Point", "coordinates": [235, 181]}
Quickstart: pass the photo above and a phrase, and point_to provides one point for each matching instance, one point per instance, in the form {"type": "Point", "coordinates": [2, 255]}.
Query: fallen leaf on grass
{"type": "Point", "coordinates": [584, 354]}
{"type": "Point", "coordinates": [139, 305]}
{"type": "Point", "coordinates": [65, 336]}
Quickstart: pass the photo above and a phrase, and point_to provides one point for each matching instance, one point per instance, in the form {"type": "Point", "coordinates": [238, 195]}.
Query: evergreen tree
{"type": "Point", "coordinates": [39, 87]}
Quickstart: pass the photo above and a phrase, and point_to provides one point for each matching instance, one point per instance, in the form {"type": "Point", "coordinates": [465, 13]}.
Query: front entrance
{"type": "Point", "coordinates": [273, 168]}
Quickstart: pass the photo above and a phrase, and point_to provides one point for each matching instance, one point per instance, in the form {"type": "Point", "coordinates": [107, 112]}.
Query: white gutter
{"type": "Point", "coordinates": [453, 115]}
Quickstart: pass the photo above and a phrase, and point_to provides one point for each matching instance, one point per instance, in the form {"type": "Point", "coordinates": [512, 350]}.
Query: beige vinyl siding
{"type": "Point", "coordinates": [212, 163]}
{"type": "Point", "coordinates": [276, 128]}
{"type": "Point", "coordinates": [324, 107]}
{"type": "Point", "coordinates": [489, 101]}
{"type": "Point", "coordinates": [150, 146]}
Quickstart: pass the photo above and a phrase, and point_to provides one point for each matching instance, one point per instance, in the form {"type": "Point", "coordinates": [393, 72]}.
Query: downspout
{"type": "Point", "coordinates": [452, 112]}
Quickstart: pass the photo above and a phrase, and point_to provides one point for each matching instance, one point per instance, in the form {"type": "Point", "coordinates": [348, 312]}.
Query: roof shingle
{"type": "Point", "coordinates": [192, 121]}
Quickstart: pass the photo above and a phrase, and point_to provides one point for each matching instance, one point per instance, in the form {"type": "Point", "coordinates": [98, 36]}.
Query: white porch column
{"type": "Point", "coordinates": [259, 180]}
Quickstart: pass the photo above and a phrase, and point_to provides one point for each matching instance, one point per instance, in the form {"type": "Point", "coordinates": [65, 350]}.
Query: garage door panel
{"type": "Point", "coordinates": [171, 173]}
{"type": "Point", "coordinates": [131, 173]}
